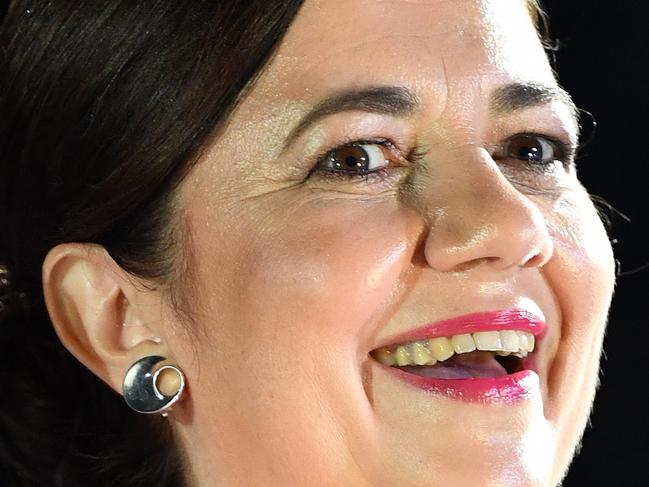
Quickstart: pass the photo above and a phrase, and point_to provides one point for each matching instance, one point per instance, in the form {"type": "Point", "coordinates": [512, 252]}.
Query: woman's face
{"type": "Point", "coordinates": [303, 265]}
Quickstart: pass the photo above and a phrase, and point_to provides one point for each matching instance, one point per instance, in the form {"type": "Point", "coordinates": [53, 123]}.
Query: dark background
{"type": "Point", "coordinates": [603, 61]}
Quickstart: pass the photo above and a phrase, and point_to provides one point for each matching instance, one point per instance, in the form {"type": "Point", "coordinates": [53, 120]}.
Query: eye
{"type": "Point", "coordinates": [536, 149]}
{"type": "Point", "coordinates": [356, 158]}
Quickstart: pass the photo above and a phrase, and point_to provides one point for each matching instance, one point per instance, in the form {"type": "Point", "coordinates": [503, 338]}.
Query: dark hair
{"type": "Point", "coordinates": [104, 107]}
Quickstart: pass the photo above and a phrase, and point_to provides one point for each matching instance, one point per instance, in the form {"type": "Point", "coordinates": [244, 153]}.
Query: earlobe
{"type": "Point", "coordinates": [93, 305]}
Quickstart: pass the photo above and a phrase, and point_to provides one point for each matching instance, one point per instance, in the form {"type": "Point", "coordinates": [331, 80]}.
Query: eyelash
{"type": "Point", "coordinates": [565, 154]}
{"type": "Point", "coordinates": [414, 156]}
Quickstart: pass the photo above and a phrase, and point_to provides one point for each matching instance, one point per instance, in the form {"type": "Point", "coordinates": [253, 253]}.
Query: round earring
{"type": "Point", "coordinates": [140, 386]}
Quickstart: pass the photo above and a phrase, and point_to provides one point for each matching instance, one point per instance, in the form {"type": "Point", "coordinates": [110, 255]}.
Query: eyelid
{"type": "Point", "coordinates": [567, 150]}
{"type": "Point", "coordinates": [384, 142]}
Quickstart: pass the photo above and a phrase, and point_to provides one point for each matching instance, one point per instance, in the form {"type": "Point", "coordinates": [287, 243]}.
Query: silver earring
{"type": "Point", "coordinates": [141, 390]}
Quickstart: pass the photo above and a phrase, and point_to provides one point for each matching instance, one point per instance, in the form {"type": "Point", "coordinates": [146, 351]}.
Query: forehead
{"type": "Point", "coordinates": [335, 44]}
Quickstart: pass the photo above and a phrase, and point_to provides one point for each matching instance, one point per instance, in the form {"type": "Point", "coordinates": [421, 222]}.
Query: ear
{"type": "Point", "coordinates": [99, 313]}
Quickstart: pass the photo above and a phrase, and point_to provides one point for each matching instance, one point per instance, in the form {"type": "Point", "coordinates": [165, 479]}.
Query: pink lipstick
{"type": "Point", "coordinates": [484, 375]}
{"type": "Point", "coordinates": [508, 319]}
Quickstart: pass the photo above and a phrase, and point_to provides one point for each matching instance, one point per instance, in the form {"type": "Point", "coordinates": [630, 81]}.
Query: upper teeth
{"type": "Point", "coordinates": [429, 351]}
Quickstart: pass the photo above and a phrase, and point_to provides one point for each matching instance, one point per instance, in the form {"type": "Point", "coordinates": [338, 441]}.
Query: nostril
{"type": "Point", "coordinates": [535, 261]}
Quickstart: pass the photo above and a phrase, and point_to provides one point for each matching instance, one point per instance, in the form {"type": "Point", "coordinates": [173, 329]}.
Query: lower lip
{"type": "Point", "coordinates": [509, 389]}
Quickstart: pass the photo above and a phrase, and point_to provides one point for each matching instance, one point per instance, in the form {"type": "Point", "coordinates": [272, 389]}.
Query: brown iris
{"type": "Point", "coordinates": [531, 148]}
{"type": "Point", "coordinates": [349, 158]}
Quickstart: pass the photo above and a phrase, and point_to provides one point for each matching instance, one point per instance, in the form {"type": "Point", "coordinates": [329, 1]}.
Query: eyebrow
{"type": "Point", "coordinates": [397, 101]}
{"type": "Point", "coordinates": [400, 101]}
{"type": "Point", "coordinates": [521, 96]}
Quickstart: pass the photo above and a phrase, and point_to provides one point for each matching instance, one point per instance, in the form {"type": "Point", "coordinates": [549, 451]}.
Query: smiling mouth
{"type": "Point", "coordinates": [484, 357]}
{"type": "Point", "coordinates": [487, 354]}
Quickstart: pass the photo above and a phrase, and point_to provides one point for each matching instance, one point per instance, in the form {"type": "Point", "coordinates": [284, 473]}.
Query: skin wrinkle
{"type": "Point", "coordinates": [286, 393]}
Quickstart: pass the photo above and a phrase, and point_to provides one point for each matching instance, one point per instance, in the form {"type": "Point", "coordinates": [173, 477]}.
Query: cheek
{"type": "Point", "coordinates": [582, 275]}
{"type": "Point", "coordinates": [582, 271]}
{"type": "Point", "coordinates": [327, 271]}
{"type": "Point", "coordinates": [287, 297]}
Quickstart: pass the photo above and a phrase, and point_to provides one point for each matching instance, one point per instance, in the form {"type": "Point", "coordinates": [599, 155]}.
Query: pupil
{"type": "Point", "coordinates": [351, 158]}
{"type": "Point", "coordinates": [527, 148]}
{"type": "Point", "coordinates": [531, 153]}
{"type": "Point", "coordinates": [351, 161]}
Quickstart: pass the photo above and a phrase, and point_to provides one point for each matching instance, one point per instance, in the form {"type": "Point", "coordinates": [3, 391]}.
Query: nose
{"type": "Point", "coordinates": [479, 218]}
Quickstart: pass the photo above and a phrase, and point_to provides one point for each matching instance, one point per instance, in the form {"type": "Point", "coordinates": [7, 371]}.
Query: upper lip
{"type": "Point", "coordinates": [505, 319]}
